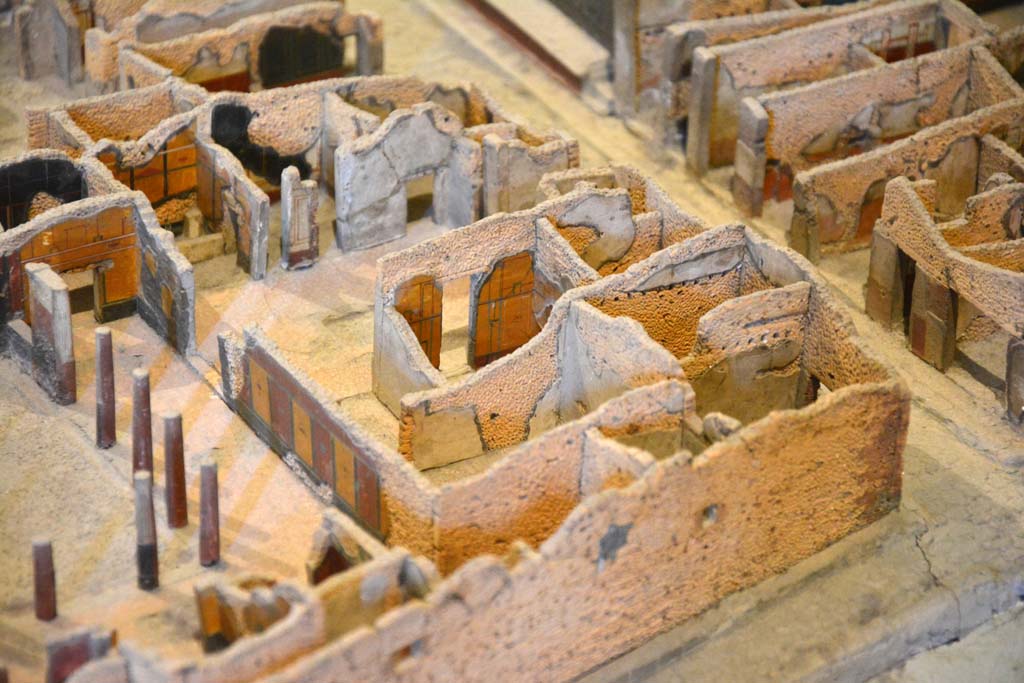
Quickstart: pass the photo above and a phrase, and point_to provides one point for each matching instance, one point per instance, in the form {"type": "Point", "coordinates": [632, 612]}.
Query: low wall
{"type": "Point", "coordinates": [167, 294]}
{"type": "Point", "coordinates": [725, 74]}
{"type": "Point", "coordinates": [256, 655]}
{"type": "Point", "coordinates": [995, 291]}
{"type": "Point", "coordinates": [787, 132]}
{"type": "Point", "coordinates": [288, 411]}
{"type": "Point", "coordinates": [580, 359]}
{"type": "Point", "coordinates": [578, 593]}
{"type": "Point", "coordinates": [835, 204]}
{"type": "Point", "coordinates": [228, 198]}
{"type": "Point", "coordinates": [233, 57]}
{"type": "Point", "coordinates": [528, 494]}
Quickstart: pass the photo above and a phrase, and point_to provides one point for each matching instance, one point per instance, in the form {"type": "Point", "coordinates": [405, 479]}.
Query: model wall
{"type": "Point", "coordinates": [831, 200]}
{"type": "Point", "coordinates": [683, 525]}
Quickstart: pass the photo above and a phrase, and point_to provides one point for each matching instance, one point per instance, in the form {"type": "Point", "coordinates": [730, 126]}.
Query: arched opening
{"type": "Point", "coordinates": [505, 318]}
{"type": "Point", "coordinates": [34, 185]}
{"type": "Point", "coordinates": [870, 211]}
{"type": "Point", "coordinates": [332, 561]}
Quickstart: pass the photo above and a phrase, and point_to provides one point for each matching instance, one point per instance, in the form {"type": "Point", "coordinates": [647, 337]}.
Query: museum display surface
{"type": "Point", "coordinates": [475, 340]}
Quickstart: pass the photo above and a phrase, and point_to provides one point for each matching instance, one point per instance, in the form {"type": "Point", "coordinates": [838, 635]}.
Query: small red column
{"type": "Point", "coordinates": [145, 532]}
{"type": "Point", "coordinates": [209, 516]}
{"type": "Point", "coordinates": [45, 580]}
{"type": "Point", "coordinates": [106, 428]}
{"type": "Point", "coordinates": [142, 427]}
{"type": "Point", "coordinates": [174, 471]}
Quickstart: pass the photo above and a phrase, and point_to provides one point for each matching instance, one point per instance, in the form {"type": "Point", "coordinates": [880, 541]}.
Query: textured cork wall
{"type": "Point", "coordinates": [724, 74]}
{"type": "Point", "coordinates": [785, 132]}
{"type": "Point", "coordinates": [382, 95]}
{"type": "Point", "coordinates": [489, 411]}
{"type": "Point", "coordinates": [140, 112]}
{"type": "Point", "coordinates": [599, 511]}
{"type": "Point", "coordinates": [747, 360]}
{"type": "Point", "coordinates": [530, 492]}
{"type": "Point", "coordinates": [230, 57]}
{"type": "Point", "coordinates": [996, 291]}
{"type": "Point", "coordinates": [830, 200]}
{"type": "Point", "coordinates": [340, 605]}
{"type": "Point", "coordinates": [670, 314]}
{"type": "Point", "coordinates": [991, 216]}
{"type": "Point", "coordinates": [579, 594]}
{"type": "Point", "coordinates": [666, 53]}
{"type": "Point", "coordinates": [669, 292]}
{"type": "Point", "coordinates": [629, 221]}
{"type": "Point", "coordinates": [895, 99]}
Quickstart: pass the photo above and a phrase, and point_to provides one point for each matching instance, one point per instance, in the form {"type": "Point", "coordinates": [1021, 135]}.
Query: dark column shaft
{"type": "Point", "coordinates": [142, 427]}
{"type": "Point", "coordinates": [174, 471]}
{"type": "Point", "coordinates": [45, 580]}
{"type": "Point", "coordinates": [209, 516]}
{"type": "Point", "coordinates": [145, 532]}
{"type": "Point", "coordinates": [106, 428]}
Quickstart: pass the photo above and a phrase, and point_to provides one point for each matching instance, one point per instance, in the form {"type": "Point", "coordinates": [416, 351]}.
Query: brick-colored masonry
{"type": "Point", "coordinates": [932, 278]}
{"type": "Point", "coordinates": [581, 415]}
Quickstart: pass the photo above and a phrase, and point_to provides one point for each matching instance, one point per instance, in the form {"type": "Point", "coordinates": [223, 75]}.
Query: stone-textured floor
{"type": "Point", "coordinates": [931, 573]}
{"type": "Point", "coordinates": [991, 654]}
{"type": "Point", "coordinates": [936, 571]}
{"type": "Point", "coordinates": [56, 484]}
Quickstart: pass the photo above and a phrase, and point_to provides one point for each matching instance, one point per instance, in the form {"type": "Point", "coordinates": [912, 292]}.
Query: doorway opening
{"type": "Point", "coordinates": [419, 194]}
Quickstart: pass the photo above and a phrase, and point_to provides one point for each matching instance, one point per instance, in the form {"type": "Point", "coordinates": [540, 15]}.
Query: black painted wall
{"type": "Point", "coordinates": [19, 183]}
{"type": "Point", "coordinates": [288, 55]}
{"type": "Point", "coordinates": [230, 127]}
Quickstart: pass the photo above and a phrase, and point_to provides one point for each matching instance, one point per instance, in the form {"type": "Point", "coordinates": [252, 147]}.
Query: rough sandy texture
{"type": "Point", "coordinates": [933, 572]}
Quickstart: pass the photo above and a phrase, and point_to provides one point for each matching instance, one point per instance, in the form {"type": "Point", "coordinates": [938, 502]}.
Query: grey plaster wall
{"type": "Point", "coordinates": [53, 349]}
{"type": "Point", "coordinates": [166, 299]}
{"type": "Point", "coordinates": [371, 173]}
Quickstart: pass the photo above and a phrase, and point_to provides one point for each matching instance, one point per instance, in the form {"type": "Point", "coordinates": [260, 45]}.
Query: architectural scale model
{"type": "Point", "coordinates": [539, 408]}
